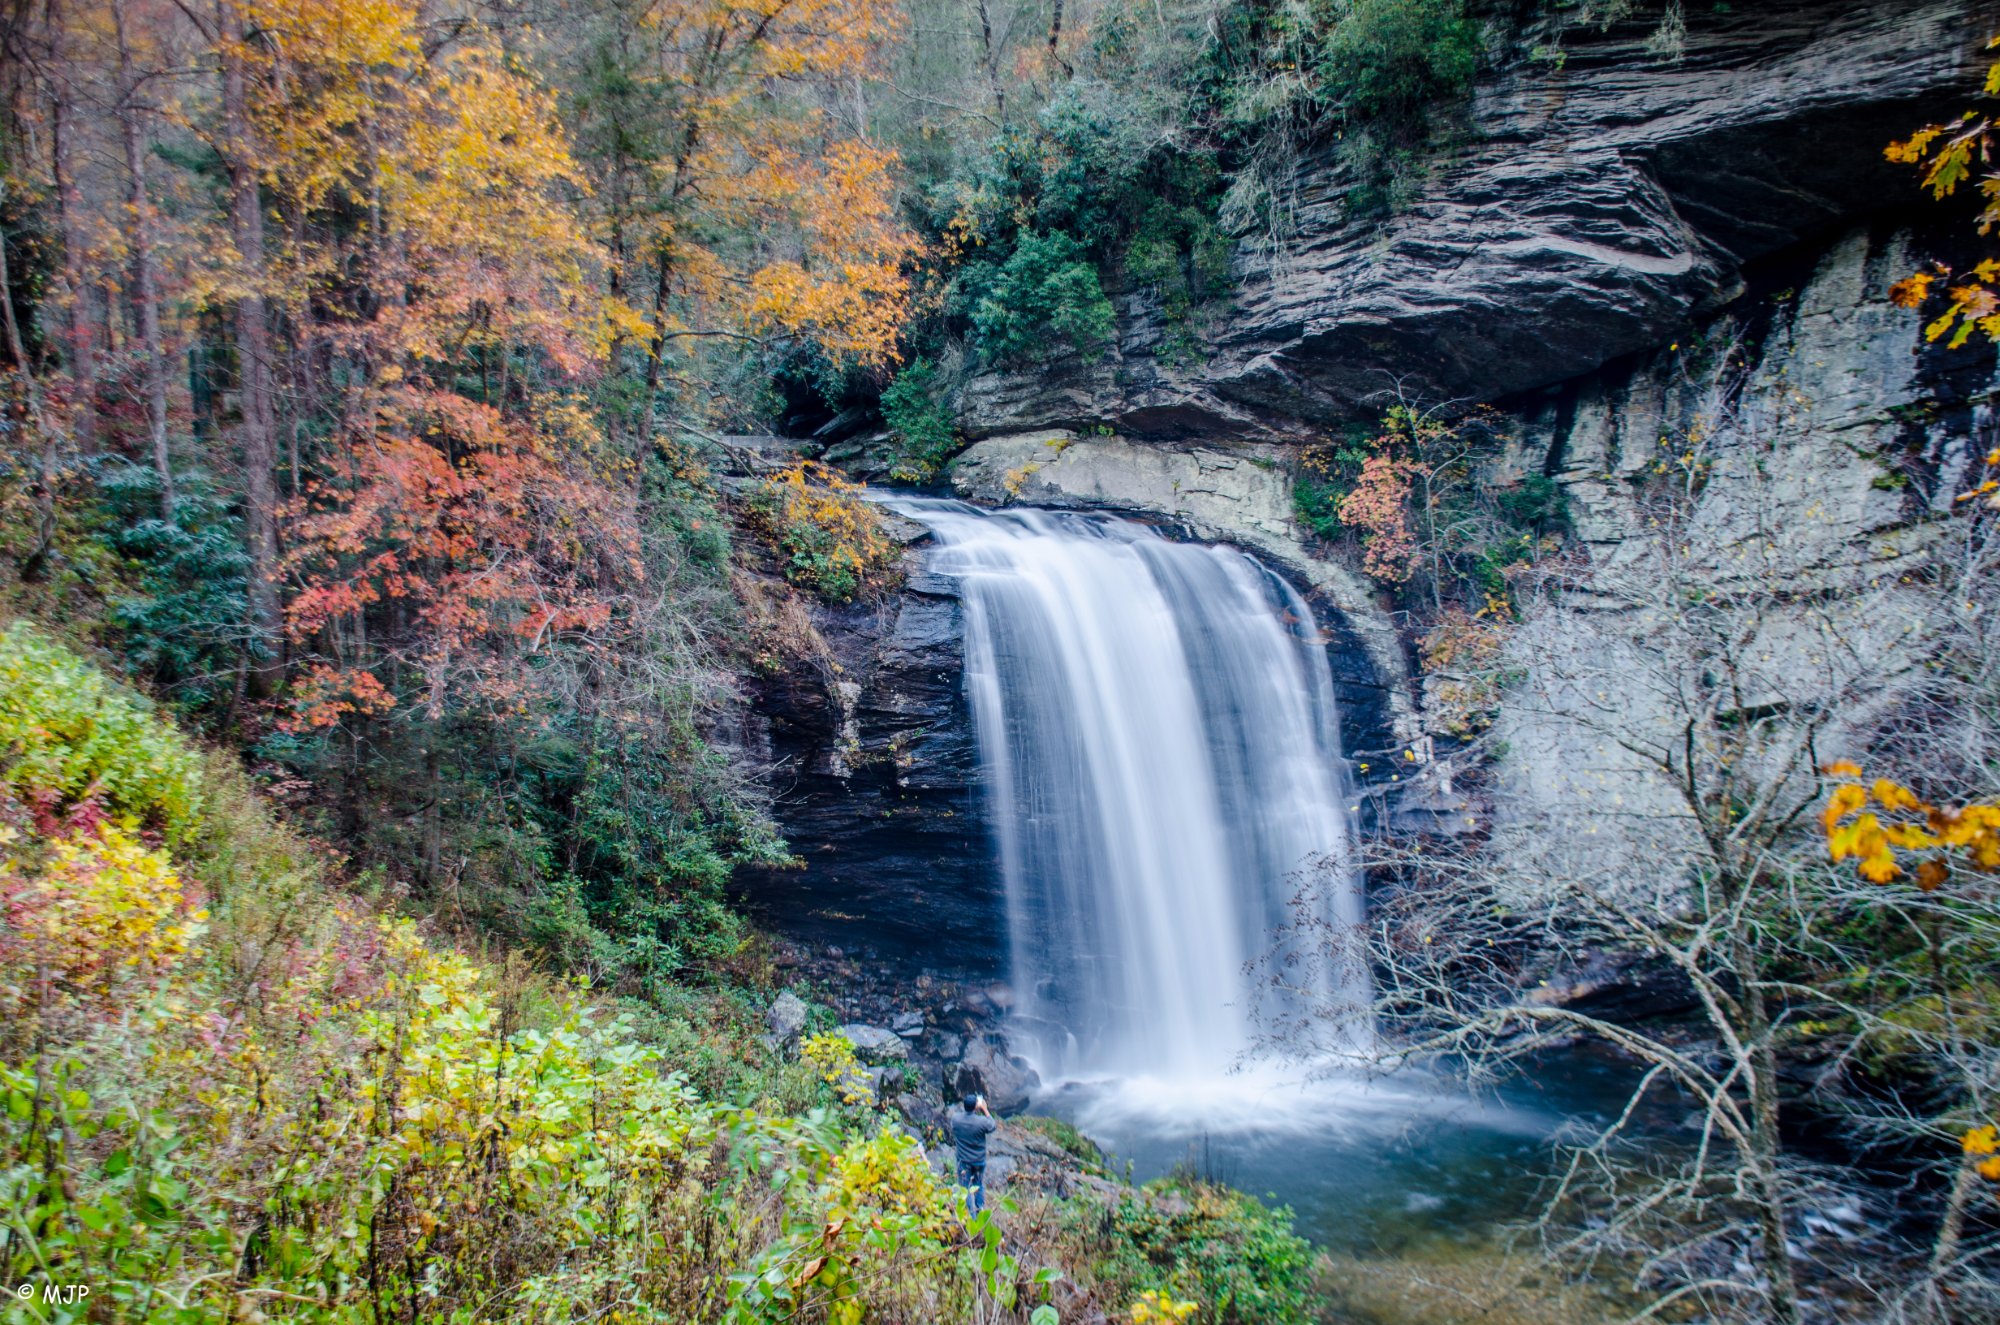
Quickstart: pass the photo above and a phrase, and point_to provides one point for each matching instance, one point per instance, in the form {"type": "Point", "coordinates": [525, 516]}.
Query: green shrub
{"type": "Point", "coordinates": [920, 422]}
{"type": "Point", "coordinates": [1237, 1259]}
{"type": "Point", "coordinates": [1326, 474]}
{"type": "Point", "coordinates": [1388, 66]}
{"type": "Point", "coordinates": [1392, 60]}
{"type": "Point", "coordinates": [1316, 503]}
{"type": "Point", "coordinates": [1537, 504]}
{"type": "Point", "coordinates": [1047, 289]}
{"type": "Point", "coordinates": [1181, 256]}
{"type": "Point", "coordinates": [68, 731]}
{"type": "Point", "coordinates": [183, 625]}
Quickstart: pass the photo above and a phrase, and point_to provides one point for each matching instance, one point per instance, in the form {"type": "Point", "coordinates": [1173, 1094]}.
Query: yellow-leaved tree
{"type": "Point", "coordinates": [1949, 155]}
{"type": "Point", "coordinates": [735, 184]}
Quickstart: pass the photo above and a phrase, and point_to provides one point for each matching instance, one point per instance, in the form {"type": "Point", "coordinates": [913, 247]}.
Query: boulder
{"type": "Point", "coordinates": [924, 1115]}
{"type": "Point", "coordinates": [885, 1083]}
{"type": "Point", "coordinates": [787, 1019]}
{"type": "Point", "coordinates": [908, 1024]}
{"type": "Point", "coordinates": [874, 1044]}
{"type": "Point", "coordinates": [1007, 1081]}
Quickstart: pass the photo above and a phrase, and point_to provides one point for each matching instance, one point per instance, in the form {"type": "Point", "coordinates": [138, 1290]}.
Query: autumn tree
{"type": "Point", "coordinates": [479, 597]}
{"type": "Point", "coordinates": [1949, 155]}
{"type": "Point", "coordinates": [735, 187]}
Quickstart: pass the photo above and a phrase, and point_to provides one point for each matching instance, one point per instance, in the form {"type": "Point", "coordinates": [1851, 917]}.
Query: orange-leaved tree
{"type": "Point", "coordinates": [435, 251]}
{"type": "Point", "coordinates": [1950, 155]}
{"type": "Point", "coordinates": [1378, 506]}
{"type": "Point", "coordinates": [736, 187]}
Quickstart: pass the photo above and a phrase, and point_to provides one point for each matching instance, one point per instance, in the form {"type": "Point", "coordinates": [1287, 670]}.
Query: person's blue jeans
{"type": "Point", "coordinates": [973, 1176]}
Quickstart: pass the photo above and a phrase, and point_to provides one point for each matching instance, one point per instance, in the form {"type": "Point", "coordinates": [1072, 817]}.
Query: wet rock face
{"type": "Point", "coordinates": [1602, 204]}
{"type": "Point", "coordinates": [871, 759]}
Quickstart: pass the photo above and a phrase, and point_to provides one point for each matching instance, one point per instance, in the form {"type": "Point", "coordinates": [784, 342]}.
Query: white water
{"type": "Point", "coordinates": [1160, 746]}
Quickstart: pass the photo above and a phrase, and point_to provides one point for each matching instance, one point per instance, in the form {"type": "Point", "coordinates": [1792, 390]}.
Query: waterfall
{"type": "Point", "coordinates": [1160, 747]}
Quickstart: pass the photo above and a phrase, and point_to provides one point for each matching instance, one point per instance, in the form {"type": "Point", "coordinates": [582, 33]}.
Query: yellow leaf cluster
{"type": "Point", "coordinates": [1982, 1145]}
{"type": "Point", "coordinates": [457, 163]}
{"type": "Point", "coordinates": [1981, 1141]}
{"type": "Point", "coordinates": [1906, 824]}
{"type": "Point", "coordinates": [832, 1057]}
{"type": "Point", "coordinates": [887, 1173]}
{"type": "Point", "coordinates": [832, 260]}
{"type": "Point", "coordinates": [101, 904]}
{"type": "Point", "coordinates": [850, 289]}
{"type": "Point", "coordinates": [1950, 155]}
{"type": "Point", "coordinates": [829, 536]}
{"type": "Point", "coordinates": [1157, 1308]}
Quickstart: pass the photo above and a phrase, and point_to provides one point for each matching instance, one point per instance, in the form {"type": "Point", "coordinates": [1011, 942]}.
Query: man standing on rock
{"type": "Point", "coordinates": [969, 1130]}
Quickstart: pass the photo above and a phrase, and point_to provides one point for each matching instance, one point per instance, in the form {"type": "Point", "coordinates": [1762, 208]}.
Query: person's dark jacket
{"type": "Point", "coordinates": [968, 1137]}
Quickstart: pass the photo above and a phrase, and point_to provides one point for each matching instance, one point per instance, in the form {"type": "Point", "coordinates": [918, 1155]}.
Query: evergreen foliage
{"type": "Point", "coordinates": [1046, 290]}
{"type": "Point", "coordinates": [919, 419]}
{"type": "Point", "coordinates": [184, 624]}
{"type": "Point", "coordinates": [1175, 137]}
{"type": "Point", "coordinates": [1393, 60]}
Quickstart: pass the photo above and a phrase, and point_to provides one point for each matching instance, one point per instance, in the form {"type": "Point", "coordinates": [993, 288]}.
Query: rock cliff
{"type": "Point", "coordinates": [869, 753]}
{"type": "Point", "coordinates": [1826, 438]}
{"type": "Point", "coordinates": [1598, 203]}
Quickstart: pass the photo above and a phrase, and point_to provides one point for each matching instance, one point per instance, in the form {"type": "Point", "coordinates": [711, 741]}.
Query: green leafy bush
{"type": "Point", "coordinates": [67, 732]}
{"type": "Point", "coordinates": [1326, 474]}
{"type": "Point", "coordinates": [1389, 65]}
{"type": "Point", "coordinates": [1392, 59]}
{"type": "Point", "coordinates": [1237, 1259]}
{"type": "Point", "coordinates": [1046, 289]}
{"type": "Point", "coordinates": [920, 422]}
{"type": "Point", "coordinates": [1181, 256]}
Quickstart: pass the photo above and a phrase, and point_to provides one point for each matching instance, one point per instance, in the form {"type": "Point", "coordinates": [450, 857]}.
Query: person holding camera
{"type": "Point", "coordinates": [969, 1130]}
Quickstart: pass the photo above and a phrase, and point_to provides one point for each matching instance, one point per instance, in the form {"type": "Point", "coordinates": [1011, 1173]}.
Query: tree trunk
{"type": "Point", "coordinates": [1951, 1229]}
{"type": "Point", "coordinates": [1783, 1292]}
{"type": "Point", "coordinates": [253, 352]}
{"type": "Point", "coordinates": [992, 61]}
{"type": "Point", "coordinates": [146, 279]}
{"type": "Point", "coordinates": [35, 561]}
{"type": "Point", "coordinates": [80, 333]}
{"type": "Point", "coordinates": [17, 351]}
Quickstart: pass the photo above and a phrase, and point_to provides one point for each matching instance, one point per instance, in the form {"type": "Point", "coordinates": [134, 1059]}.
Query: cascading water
{"type": "Point", "coordinates": [1160, 742]}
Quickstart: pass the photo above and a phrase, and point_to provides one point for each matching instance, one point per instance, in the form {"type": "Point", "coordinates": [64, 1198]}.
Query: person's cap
{"type": "Point", "coordinates": [971, 1102]}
